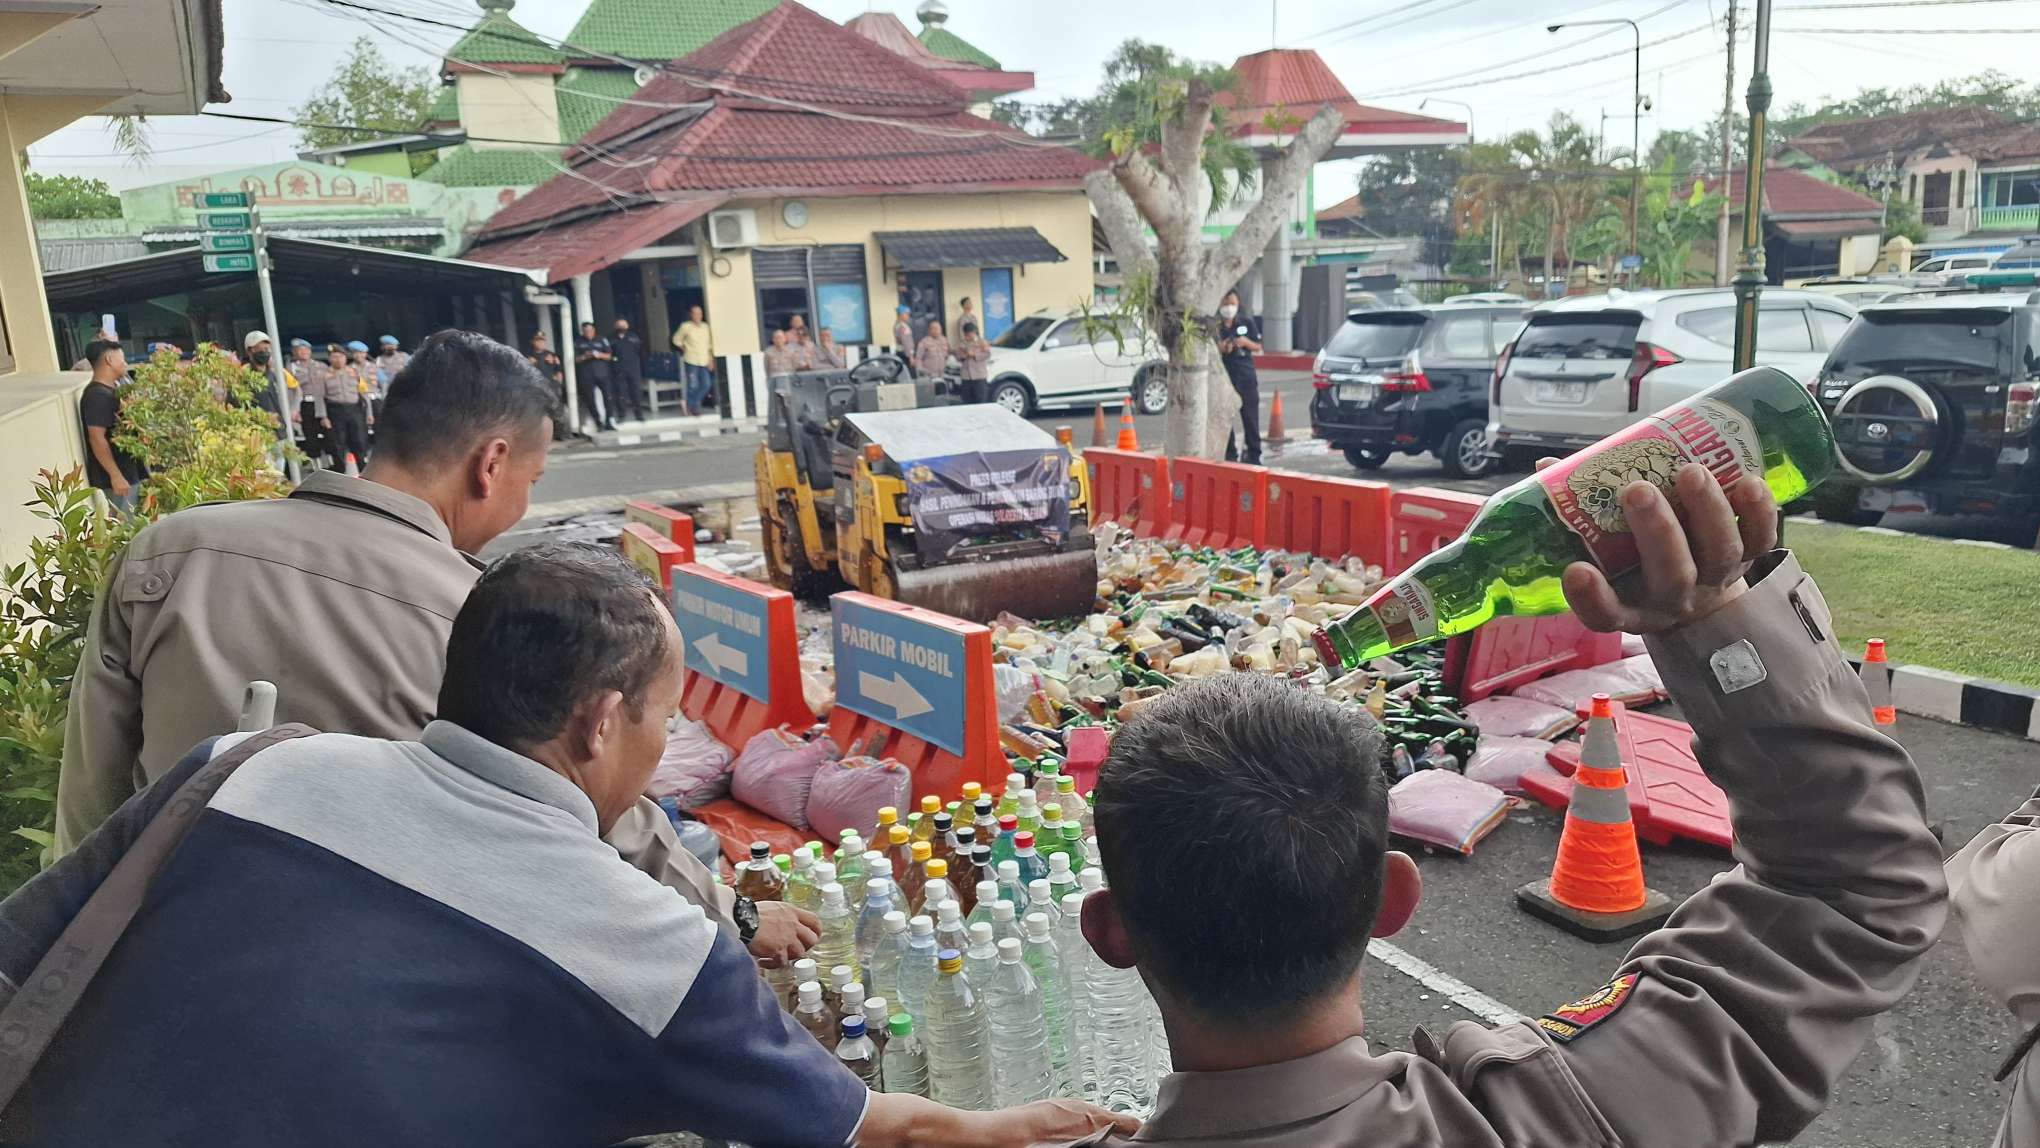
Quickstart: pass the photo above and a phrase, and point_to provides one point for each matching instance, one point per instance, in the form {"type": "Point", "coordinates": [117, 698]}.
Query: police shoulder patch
{"type": "Point", "coordinates": [1567, 1022]}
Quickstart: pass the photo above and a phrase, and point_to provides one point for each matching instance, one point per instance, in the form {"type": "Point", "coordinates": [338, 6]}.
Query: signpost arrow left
{"type": "Point", "coordinates": [725, 659]}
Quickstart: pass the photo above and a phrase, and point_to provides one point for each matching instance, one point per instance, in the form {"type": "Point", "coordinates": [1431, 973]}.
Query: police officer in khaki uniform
{"type": "Point", "coordinates": [782, 358]}
{"type": "Point", "coordinates": [346, 421]}
{"type": "Point", "coordinates": [1729, 1026]}
{"type": "Point", "coordinates": [343, 595]}
{"type": "Point", "coordinates": [931, 357]}
{"type": "Point", "coordinates": [1994, 891]}
{"type": "Point", "coordinates": [973, 356]}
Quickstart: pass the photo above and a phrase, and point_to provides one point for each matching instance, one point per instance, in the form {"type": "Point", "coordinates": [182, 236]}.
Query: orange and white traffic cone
{"type": "Point", "coordinates": [1098, 437]}
{"type": "Point", "coordinates": [1876, 673]}
{"type": "Point", "coordinates": [352, 469]}
{"type": "Point", "coordinates": [1596, 888]}
{"type": "Point", "coordinates": [1277, 432]}
{"type": "Point", "coordinates": [1127, 439]}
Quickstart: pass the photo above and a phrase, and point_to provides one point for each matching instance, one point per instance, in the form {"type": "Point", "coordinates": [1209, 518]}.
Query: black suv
{"type": "Point", "coordinates": [1932, 402]}
{"type": "Point", "coordinates": [1412, 381]}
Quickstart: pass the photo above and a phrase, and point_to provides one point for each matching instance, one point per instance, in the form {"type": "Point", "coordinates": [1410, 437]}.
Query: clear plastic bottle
{"type": "Point", "coordinates": [951, 930]}
{"type": "Point", "coordinates": [914, 881]}
{"type": "Point", "coordinates": [880, 836]}
{"type": "Point", "coordinates": [851, 872]}
{"type": "Point", "coordinates": [904, 1062]}
{"type": "Point", "coordinates": [882, 971]}
{"type": "Point", "coordinates": [1121, 1043]}
{"type": "Point", "coordinates": [1062, 879]}
{"type": "Point", "coordinates": [838, 941]}
{"type": "Point", "coordinates": [917, 966]}
{"type": "Point", "coordinates": [985, 820]}
{"type": "Point", "coordinates": [1073, 845]}
{"type": "Point", "coordinates": [983, 954]}
{"type": "Point", "coordinates": [1091, 880]}
{"type": "Point", "coordinates": [1044, 960]}
{"type": "Point", "coordinates": [1002, 845]}
{"type": "Point", "coordinates": [1010, 801]}
{"type": "Point", "coordinates": [1030, 864]}
{"type": "Point", "coordinates": [1027, 817]}
{"type": "Point", "coordinates": [824, 872]}
{"type": "Point", "coordinates": [1048, 840]}
{"type": "Point", "coordinates": [759, 879]}
{"type": "Point", "coordinates": [899, 849]}
{"type": "Point", "coordinates": [1075, 809]}
{"type": "Point", "coordinates": [1091, 858]}
{"type": "Point", "coordinates": [1041, 899]}
{"type": "Point", "coordinates": [958, 1074]}
{"type": "Point", "coordinates": [801, 890]}
{"type": "Point", "coordinates": [846, 994]}
{"type": "Point", "coordinates": [816, 1017]}
{"type": "Point", "coordinates": [942, 846]}
{"type": "Point", "coordinates": [924, 829]}
{"type": "Point", "coordinates": [1045, 772]}
{"type": "Point", "coordinates": [987, 896]}
{"type": "Point", "coordinates": [1011, 887]}
{"type": "Point", "coordinates": [1022, 1064]}
{"type": "Point", "coordinates": [1077, 958]}
{"type": "Point", "coordinates": [878, 901]}
{"type": "Point", "coordinates": [857, 1052]}
{"type": "Point", "coordinates": [935, 889]}
{"type": "Point", "coordinates": [876, 867]}
{"type": "Point", "coordinates": [800, 972]}
{"type": "Point", "coordinates": [982, 870]}
{"type": "Point", "coordinates": [877, 1011]}
{"type": "Point", "coordinates": [1005, 921]}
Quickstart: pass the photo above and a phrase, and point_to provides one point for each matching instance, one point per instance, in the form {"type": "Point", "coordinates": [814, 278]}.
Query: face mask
{"type": "Point", "coordinates": [1228, 311]}
{"type": "Point", "coordinates": [259, 357]}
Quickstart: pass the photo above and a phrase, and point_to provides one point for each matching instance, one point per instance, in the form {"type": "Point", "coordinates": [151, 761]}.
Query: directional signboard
{"type": "Point", "coordinates": [223, 199]}
{"type": "Point", "coordinates": [902, 666]}
{"type": "Point", "coordinates": [230, 262]}
{"type": "Point", "coordinates": [227, 241]}
{"type": "Point", "coordinates": [226, 220]}
{"type": "Point", "coordinates": [725, 629]}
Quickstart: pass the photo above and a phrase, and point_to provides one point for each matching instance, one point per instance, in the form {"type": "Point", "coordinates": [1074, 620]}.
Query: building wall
{"type": "Point", "coordinates": [1062, 217]}
{"type": "Point", "coordinates": [1859, 255]}
{"type": "Point", "coordinates": [38, 431]}
{"type": "Point", "coordinates": [512, 107]}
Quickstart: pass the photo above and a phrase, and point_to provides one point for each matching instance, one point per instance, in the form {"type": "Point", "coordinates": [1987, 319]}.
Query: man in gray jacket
{"type": "Point", "coordinates": [1729, 1026]}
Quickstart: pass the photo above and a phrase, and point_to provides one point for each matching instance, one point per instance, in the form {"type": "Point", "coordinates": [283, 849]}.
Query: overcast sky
{"type": "Point", "coordinates": [1393, 53]}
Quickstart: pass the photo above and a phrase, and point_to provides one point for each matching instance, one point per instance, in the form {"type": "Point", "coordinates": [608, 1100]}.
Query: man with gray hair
{"type": "Point", "coordinates": [368, 941]}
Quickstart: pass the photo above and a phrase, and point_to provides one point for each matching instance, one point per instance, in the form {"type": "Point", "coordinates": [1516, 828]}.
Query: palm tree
{"type": "Point", "coordinates": [1494, 194]}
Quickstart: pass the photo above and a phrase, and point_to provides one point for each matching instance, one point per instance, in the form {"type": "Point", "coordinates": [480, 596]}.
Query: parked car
{"type": "Point", "coordinates": [1411, 381]}
{"type": "Point", "coordinates": [1585, 367]}
{"type": "Point", "coordinates": [2024, 257]}
{"type": "Point", "coordinates": [1049, 360]}
{"type": "Point", "coordinates": [1394, 300]}
{"type": "Point", "coordinates": [1932, 402]}
{"type": "Point", "coordinates": [1857, 292]}
{"type": "Point", "coordinates": [1486, 298]}
{"type": "Point", "coordinates": [1943, 266]}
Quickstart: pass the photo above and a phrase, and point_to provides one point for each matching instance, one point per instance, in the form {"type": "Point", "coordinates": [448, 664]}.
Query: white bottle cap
{"type": "Point", "coordinates": [981, 933]}
{"type": "Point", "coordinates": [825, 872]}
{"type": "Point", "coordinates": [1058, 863]}
{"type": "Point", "coordinates": [875, 1006]}
{"type": "Point", "coordinates": [924, 925]}
{"type": "Point", "coordinates": [809, 992]}
{"type": "Point", "coordinates": [878, 863]}
{"type": "Point", "coordinates": [1092, 879]}
{"type": "Point", "coordinates": [1015, 782]}
{"type": "Point", "coordinates": [1037, 889]}
{"type": "Point", "coordinates": [895, 922]}
{"type": "Point", "coordinates": [832, 894]}
{"type": "Point", "coordinates": [853, 845]}
{"type": "Point", "coordinates": [878, 887]}
{"type": "Point", "coordinates": [1009, 871]}
{"type": "Point", "coordinates": [802, 859]}
{"type": "Point", "coordinates": [1037, 926]}
{"type": "Point", "coordinates": [1072, 905]}
{"type": "Point", "coordinates": [1001, 912]}
{"type": "Point", "coordinates": [949, 911]}
{"type": "Point", "coordinates": [853, 994]}
{"type": "Point", "coordinates": [1009, 950]}
{"type": "Point", "coordinates": [988, 891]}
{"type": "Point", "coordinates": [1029, 804]}
{"type": "Point", "coordinates": [841, 975]}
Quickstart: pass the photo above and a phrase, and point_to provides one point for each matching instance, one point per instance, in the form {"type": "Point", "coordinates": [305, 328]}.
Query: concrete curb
{"type": "Point", "coordinates": [1888, 532]}
{"type": "Point", "coordinates": [652, 436]}
{"type": "Point", "coordinates": [1981, 703]}
{"type": "Point", "coordinates": [539, 512]}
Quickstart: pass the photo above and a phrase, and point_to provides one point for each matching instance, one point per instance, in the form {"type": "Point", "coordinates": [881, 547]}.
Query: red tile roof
{"type": "Point", "coordinates": [576, 247]}
{"type": "Point", "coordinates": [888, 32]}
{"type": "Point", "coordinates": [1794, 193]}
{"type": "Point", "coordinates": [1293, 82]}
{"type": "Point", "coordinates": [1347, 208]}
{"type": "Point", "coordinates": [1851, 144]}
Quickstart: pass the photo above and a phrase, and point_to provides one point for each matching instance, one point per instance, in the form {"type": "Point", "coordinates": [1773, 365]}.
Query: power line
{"type": "Point", "coordinates": [1368, 19]}
{"type": "Point", "coordinates": [1567, 65]}
{"type": "Point", "coordinates": [1543, 55]}
{"type": "Point", "coordinates": [1885, 4]}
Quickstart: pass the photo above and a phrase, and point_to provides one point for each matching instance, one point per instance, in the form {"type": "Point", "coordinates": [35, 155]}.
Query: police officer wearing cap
{"type": "Point", "coordinates": [310, 376]}
{"type": "Point", "coordinates": [390, 357]}
{"type": "Point", "coordinates": [347, 394]}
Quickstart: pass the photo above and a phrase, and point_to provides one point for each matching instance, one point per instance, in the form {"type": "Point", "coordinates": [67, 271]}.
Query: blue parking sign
{"type": "Point", "coordinates": [725, 632]}
{"type": "Point", "coordinates": [902, 670]}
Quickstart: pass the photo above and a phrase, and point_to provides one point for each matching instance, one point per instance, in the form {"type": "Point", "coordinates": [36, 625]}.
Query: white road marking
{"type": "Point", "coordinates": [1439, 981]}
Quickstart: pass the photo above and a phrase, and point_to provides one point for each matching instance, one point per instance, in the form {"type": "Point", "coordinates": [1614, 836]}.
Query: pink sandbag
{"type": "Point", "coordinates": [1632, 645]}
{"type": "Point", "coordinates": [1505, 716]}
{"type": "Point", "coordinates": [1500, 761]}
{"type": "Point", "coordinates": [694, 770]}
{"type": "Point", "coordinates": [848, 793]}
{"type": "Point", "coordinates": [775, 772]}
{"type": "Point", "coordinates": [1570, 688]}
{"type": "Point", "coordinates": [1644, 672]}
{"type": "Point", "coordinates": [1439, 807]}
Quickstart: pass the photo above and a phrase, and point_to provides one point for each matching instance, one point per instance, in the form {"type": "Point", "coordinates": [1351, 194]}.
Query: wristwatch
{"type": "Point", "coordinates": [745, 914]}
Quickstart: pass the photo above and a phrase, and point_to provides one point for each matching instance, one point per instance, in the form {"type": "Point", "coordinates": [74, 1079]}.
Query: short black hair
{"type": "Point", "coordinates": [1230, 293]}
{"type": "Point", "coordinates": [544, 629]}
{"type": "Point", "coordinates": [98, 349]}
{"type": "Point", "coordinates": [459, 388]}
{"type": "Point", "coordinates": [1242, 822]}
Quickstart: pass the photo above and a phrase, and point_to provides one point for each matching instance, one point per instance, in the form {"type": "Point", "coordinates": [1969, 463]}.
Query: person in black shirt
{"type": "Point", "coordinates": [592, 359]}
{"type": "Point", "coordinates": [109, 469]}
{"type": "Point", "coordinates": [627, 373]}
{"type": "Point", "coordinates": [541, 355]}
{"type": "Point", "coordinates": [1238, 338]}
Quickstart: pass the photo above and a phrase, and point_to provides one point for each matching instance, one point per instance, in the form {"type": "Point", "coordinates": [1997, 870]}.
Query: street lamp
{"type": "Point", "coordinates": [1429, 100]}
{"type": "Point", "coordinates": [1636, 123]}
{"type": "Point", "coordinates": [1494, 221]}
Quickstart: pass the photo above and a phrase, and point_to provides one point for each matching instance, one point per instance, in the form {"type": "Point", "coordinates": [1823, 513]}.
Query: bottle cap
{"type": "Point", "coordinates": [948, 911]}
{"type": "Point", "coordinates": [1015, 782]}
{"type": "Point", "coordinates": [853, 1026]}
{"type": "Point", "coordinates": [1601, 708]}
{"type": "Point", "coordinates": [895, 922]}
{"type": "Point", "coordinates": [874, 857]}
{"type": "Point", "coordinates": [1023, 840]}
{"type": "Point", "coordinates": [1029, 803]}
{"type": "Point", "coordinates": [931, 805]}
{"type": "Point", "coordinates": [937, 867]}
{"type": "Point", "coordinates": [1091, 880]}
{"type": "Point", "coordinates": [949, 961]}
{"type": "Point", "coordinates": [1009, 823]}
{"type": "Point", "coordinates": [966, 837]}
{"type": "Point", "coordinates": [802, 859]}
{"type": "Point", "coordinates": [971, 792]}
{"type": "Point", "coordinates": [983, 807]}
{"type": "Point", "coordinates": [853, 845]}
{"type": "Point", "coordinates": [825, 872]}
{"type": "Point", "coordinates": [845, 834]}
{"type": "Point", "coordinates": [805, 969]}
{"type": "Point", "coordinates": [875, 1012]}
{"type": "Point", "coordinates": [1003, 912]}
{"type": "Point", "coordinates": [981, 856]}
{"type": "Point", "coordinates": [760, 850]}
{"type": "Point", "coordinates": [1009, 950]}
{"type": "Point", "coordinates": [944, 823]}
{"type": "Point", "coordinates": [1058, 863]}
{"type": "Point", "coordinates": [981, 932]}
{"type": "Point", "coordinates": [1009, 871]}
{"type": "Point", "coordinates": [809, 992]}
{"type": "Point", "coordinates": [1037, 926]}
{"type": "Point", "coordinates": [1072, 903]}
{"type": "Point", "coordinates": [988, 891]}
{"type": "Point", "coordinates": [901, 1024]}
{"type": "Point", "coordinates": [1047, 766]}
{"type": "Point", "coordinates": [899, 833]}
{"type": "Point", "coordinates": [852, 993]}
{"type": "Point", "coordinates": [832, 892]}
{"type": "Point", "coordinates": [1873, 651]}
{"type": "Point", "coordinates": [877, 887]}
{"type": "Point", "coordinates": [841, 975]}
{"type": "Point", "coordinates": [887, 815]}
{"type": "Point", "coordinates": [923, 925]}
{"type": "Point", "coordinates": [921, 850]}
{"type": "Point", "coordinates": [1037, 889]}
{"type": "Point", "coordinates": [1064, 783]}
{"type": "Point", "coordinates": [1051, 814]}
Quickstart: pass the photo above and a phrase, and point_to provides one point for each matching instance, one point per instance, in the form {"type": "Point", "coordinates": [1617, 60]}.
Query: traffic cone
{"type": "Point", "coordinates": [1098, 427]}
{"type": "Point", "coordinates": [1877, 683]}
{"type": "Point", "coordinates": [1276, 431]}
{"type": "Point", "coordinates": [1596, 888]}
{"type": "Point", "coordinates": [352, 469]}
{"type": "Point", "coordinates": [1127, 439]}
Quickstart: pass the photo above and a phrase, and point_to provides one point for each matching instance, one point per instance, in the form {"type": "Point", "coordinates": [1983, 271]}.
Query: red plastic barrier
{"type": "Point", "coordinates": [1225, 504]}
{"type": "Point", "coordinates": [916, 686]}
{"type": "Point", "coordinates": [1508, 652]}
{"type": "Point", "coordinates": [1423, 518]}
{"type": "Point", "coordinates": [1088, 746]}
{"type": "Point", "coordinates": [1131, 488]}
{"type": "Point", "coordinates": [1680, 800]}
{"type": "Point", "coordinates": [670, 524]}
{"type": "Point", "coordinates": [654, 553]}
{"type": "Point", "coordinates": [743, 655]}
{"type": "Point", "coordinates": [1328, 517]}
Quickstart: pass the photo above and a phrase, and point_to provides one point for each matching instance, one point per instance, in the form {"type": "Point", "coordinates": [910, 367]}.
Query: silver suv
{"type": "Point", "coordinates": [1585, 367]}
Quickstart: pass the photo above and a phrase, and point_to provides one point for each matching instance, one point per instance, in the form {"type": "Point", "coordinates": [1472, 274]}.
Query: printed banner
{"type": "Point", "coordinates": [960, 497]}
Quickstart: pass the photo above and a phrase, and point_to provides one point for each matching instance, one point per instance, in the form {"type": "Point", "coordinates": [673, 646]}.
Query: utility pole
{"type": "Point", "coordinates": [1749, 271]}
{"type": "Point", "coordinates": [1636, 109]}
{"type": "Point", "coordinates": [1727, 156]}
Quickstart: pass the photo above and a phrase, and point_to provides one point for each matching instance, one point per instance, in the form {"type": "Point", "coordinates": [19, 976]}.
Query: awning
{"type": "Point", "coordinates": [1825, 228]}
{"type": "Point", "coordinates": [389, 227]}
{"type": "Point", "coordinates": [312, 262]}
{"type": "Point", "coordinates": [970, 247]}
{"type": "Point", "coordinates": [563, 250]}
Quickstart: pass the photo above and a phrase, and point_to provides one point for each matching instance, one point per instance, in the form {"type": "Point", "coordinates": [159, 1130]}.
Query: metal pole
{"type": "Point", "coordinates": [1727, 156]}
{"type": "Point", "coordinates": [283, 411]}
{"type": "Point", "coordinates": [1749, 271]}
{"type": "Point", "coordinates": [567, 361]}
{"type": "Point", "coordinates": [1635, 139]}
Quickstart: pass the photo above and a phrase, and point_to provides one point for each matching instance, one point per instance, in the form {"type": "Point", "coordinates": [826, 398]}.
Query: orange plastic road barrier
{"type": "Point", "coordinates": [1277, 430]}
{"type": "Point", "coordinates": [653, 552]}
{"type": "Point", "coordinates": [1596, 887]}
{"type": "Point", "coordinates": [1877, 683]}
{"type": "Point", "coordinates": [743, 654]}
{"type": "Point", "coordinates": [1423, 518]}
{"type": "Point", "coordinates": [1098, 427]}
{"type": "Point", "coordinates": [1508, 652]}
{"type": "Point", "coordinates": [1127, 439]}
{"type": "Point", "coordinates": [1130, 488]}
{"type": "Point", "coordinates": [675, 526]}
{"type": "Point", "coordinates": [915, 686]}
{"type": "Point", "coordinates": [1328, 517]}
{"type": "Point", "coordinates": [1225, 504]}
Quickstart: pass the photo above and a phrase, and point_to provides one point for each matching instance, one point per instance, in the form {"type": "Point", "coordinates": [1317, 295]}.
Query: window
{"type": "Point", "coordinates": [1580, 335]}
{"type": "Point", "coordinates": [2014, 188]}
{"type": "Point", "coordinates": [1461, 337]}
{"type": "Point", "coordinates": [1386, 335]}
{"type": "Point", "coordinates": [1714, 324]}
{"type": "Point", "coordinates": [1830, 324]}
{"type": "Point", "coordinates": [1023, 333]}
{"type": "Point", "coordinates": [1783, 330]}
{"type": "Point", "coordinates": [1070, 334]}
{"type": "Point", "coordinates": [1960, 178]}
{"type": "Point", "coordinates": [825, 285]}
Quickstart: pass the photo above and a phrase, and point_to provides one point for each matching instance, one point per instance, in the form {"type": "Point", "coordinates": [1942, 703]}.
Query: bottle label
{"type": "Point", "coordinates": [1586, 489]}
{"type": "Point", "coordinates": [1405, 611]}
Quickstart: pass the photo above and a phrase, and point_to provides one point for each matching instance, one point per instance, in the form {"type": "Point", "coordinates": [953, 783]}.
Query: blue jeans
{"type": "Point", "coordinates": [700, 382]}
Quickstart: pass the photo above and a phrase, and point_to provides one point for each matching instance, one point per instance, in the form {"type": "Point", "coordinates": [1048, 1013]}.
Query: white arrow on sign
{"type": "Point", "coordinates": [900, 694]}
{"type": "Point", "coordinates": [726, 659]}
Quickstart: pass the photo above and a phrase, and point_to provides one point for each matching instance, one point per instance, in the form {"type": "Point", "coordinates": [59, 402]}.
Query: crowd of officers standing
{"type": "Point", "coordinates": [338, 392]}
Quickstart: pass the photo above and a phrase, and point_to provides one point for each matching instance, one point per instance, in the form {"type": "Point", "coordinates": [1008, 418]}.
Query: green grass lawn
{"type": "Point", "coordinates": [1964, 609]}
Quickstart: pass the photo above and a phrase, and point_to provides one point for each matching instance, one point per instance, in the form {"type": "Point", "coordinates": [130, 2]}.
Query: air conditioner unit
{"type": "Point", "coordinates": [737, 227]}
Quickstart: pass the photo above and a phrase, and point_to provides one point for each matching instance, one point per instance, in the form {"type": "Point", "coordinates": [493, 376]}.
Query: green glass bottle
{"type": "Point", "coordinates": [1759, 425]}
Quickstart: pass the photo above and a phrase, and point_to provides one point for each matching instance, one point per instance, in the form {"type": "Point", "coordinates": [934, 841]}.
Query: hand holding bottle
{"type": "Point", "coordinates": [1692, 558]}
